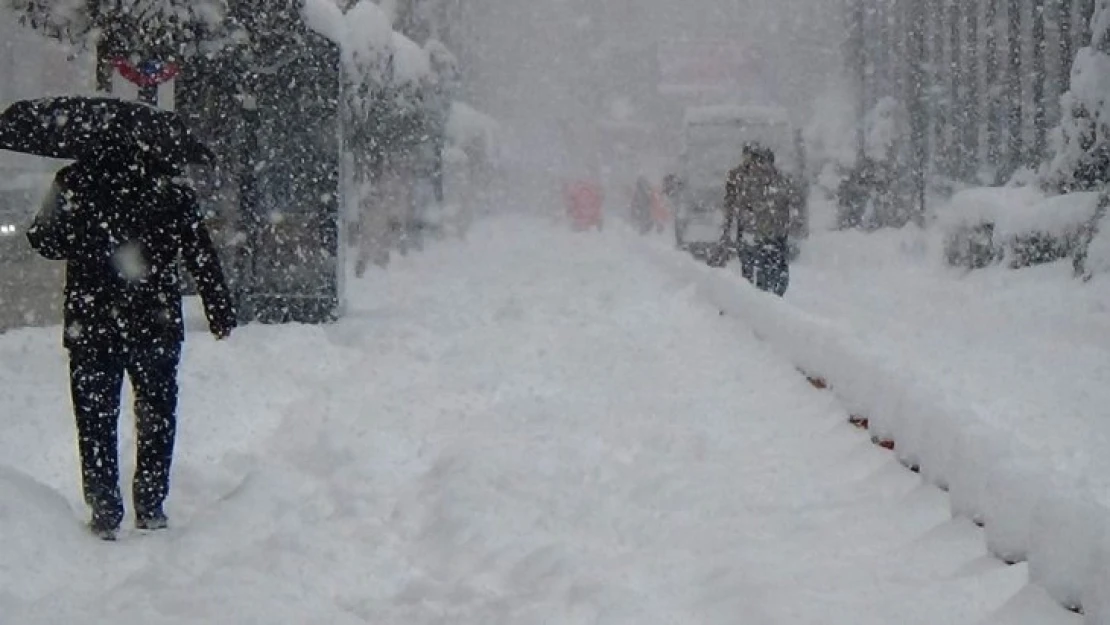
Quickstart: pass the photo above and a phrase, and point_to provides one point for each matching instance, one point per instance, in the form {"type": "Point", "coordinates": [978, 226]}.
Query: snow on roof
{"type": "Point", "coordinates": [410, 62]}
{"type": "Point", "coordinates": [726, 113]}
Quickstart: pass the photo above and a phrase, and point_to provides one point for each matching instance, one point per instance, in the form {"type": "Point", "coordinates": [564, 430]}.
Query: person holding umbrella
{"type": "Point", "coordinates": [121, 218]}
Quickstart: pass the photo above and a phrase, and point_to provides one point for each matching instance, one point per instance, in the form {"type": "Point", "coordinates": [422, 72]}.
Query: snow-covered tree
{"type": "Point", "coordinates": [152, 22]}
{"type": "Point", "coordinates": [1082, 160]}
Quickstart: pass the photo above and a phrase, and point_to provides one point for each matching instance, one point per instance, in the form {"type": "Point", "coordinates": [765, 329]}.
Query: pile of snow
{"type": "Point", "coordinates": [1042, 500]}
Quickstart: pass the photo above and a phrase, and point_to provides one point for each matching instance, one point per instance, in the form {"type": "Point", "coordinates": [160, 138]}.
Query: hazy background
{"type": "Point", "coordinates": [545, 66]}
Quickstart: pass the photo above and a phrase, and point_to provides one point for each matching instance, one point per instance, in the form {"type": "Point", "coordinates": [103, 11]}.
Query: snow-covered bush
{"type": "Point", "coordinates": [1082, 141]}
{"type": "Point", "coordinates": [984, 226]}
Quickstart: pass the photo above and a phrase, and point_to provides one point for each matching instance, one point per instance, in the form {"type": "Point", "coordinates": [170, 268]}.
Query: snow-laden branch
{"type": "Point", "coordinates": [74, 20]}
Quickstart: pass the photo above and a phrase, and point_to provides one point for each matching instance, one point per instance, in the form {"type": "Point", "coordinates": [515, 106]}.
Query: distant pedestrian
{"type": "Point", "coordinates": [759, 202]}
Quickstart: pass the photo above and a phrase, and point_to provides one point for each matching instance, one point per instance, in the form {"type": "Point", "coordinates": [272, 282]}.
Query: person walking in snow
{"type": "Point", "coordinates": [121, 223]}
{"type": "Point", "coordinates": [641, 208]}
{"type": "Point", "coordinates": [759, 200]}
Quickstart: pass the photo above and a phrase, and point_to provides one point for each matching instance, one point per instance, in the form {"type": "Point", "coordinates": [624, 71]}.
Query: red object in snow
{"type": "Point", "coordinates": [584, 200]}
{"type": "Point", "coordinates": [148, 73]}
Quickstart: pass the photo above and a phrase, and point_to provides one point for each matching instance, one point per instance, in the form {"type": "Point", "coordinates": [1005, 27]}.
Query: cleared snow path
{"type": "Point", "coordinates": [531, 427]}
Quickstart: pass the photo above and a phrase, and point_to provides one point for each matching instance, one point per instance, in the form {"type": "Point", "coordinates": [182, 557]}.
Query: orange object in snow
{"type": "Point", "coordinates": [584, 200]}
{"type": "Point", "coordinates": [660, 214]}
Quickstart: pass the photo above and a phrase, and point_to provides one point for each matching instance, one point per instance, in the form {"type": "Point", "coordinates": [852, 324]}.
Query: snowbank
{"type": "Point", "coordinates": [1038, 503]}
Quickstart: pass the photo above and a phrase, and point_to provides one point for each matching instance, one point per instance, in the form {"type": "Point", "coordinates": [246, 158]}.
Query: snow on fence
{"type": "Point", "coordinates": [1033, 508]}
{"type": "Point", "coordinates": [1018, 224]}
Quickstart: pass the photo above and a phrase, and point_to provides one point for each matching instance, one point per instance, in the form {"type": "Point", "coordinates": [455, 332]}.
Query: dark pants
{"type": "Point", "coordinates": [766, 264]}
{"type": "Point", "coordinates": [96, 379]}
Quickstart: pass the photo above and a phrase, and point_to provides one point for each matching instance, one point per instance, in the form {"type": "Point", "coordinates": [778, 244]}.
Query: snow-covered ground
{"type": "Point", "coordinates": [1009, 370]}
{"type": "Point", "coordinates": [531, 427]}
{"type": "Point", "coordinates": [1030, 349]}
{"type": "Point", "coordinates": [993, 383]}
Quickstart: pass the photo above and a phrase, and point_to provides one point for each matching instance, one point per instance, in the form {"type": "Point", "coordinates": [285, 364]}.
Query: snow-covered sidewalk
{"type": "Point", "coordinates": [532, 427]}
{"type": "Point", "coordinates": [993, 384]}
{"type": "Point", "coordinates": [1028, 350]}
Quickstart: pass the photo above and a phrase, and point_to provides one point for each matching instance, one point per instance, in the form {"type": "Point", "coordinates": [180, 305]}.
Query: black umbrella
{"type": "Point", "coordinates": [79, 127]}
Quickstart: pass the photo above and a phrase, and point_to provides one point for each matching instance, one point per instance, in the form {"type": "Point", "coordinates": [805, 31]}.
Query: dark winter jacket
{"type": "Point", "coordinates": [758, 200]}
{"type": "Point", "coordinates": [122, 227]}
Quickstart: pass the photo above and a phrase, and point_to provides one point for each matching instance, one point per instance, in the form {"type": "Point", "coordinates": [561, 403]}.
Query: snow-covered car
{"type": "Point", "coordinates": [713, 140]}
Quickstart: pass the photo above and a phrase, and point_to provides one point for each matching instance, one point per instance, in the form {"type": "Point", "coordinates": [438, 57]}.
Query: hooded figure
{"type": "Point", "coordinates": [643, 201]}
{"type": "Point", "coordinates": [759, 201]}
{"type": "Point", "coordinates": [122, 224]}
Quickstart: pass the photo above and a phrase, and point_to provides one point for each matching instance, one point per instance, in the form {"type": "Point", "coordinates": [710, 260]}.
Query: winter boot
{"type": "Point", "coordinates": [104, 526]}
{"type": "Point", "coordinates": [151, 520]}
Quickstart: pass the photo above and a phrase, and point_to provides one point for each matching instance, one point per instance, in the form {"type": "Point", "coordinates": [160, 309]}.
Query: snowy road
{"type": "Point", "coordinates": [531, 427]}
